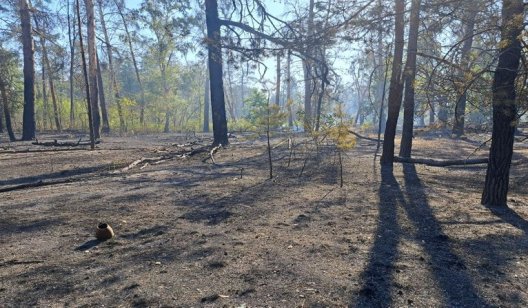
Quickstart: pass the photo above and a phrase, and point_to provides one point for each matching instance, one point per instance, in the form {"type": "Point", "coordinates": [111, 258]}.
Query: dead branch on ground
{"type": "Point", "coordinates": [441, 163]}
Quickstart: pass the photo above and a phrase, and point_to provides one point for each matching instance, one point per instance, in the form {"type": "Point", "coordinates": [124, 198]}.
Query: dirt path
{"type": "Point", "coordinates": [195, 234]}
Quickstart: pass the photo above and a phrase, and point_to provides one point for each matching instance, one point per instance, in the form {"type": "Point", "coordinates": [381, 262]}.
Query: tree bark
{"type": "Point", "coordinates": [215, 74]}
{"type": "Point", "coordinates": [28, 123]}
{"type": "Point", "coordinates": [307, 71]}
{"type": "Point", "coordinates": [504, 105]}
{"type": "Point", "coordinates": [45, 107]}
{"type": "Point", "coordinates": [395, 88]}
{"type": "Point", "coordinates": [409, 77]}
{"type": "Point", "coordinates": [460, 107]}
{"type": "Point", "coordinates": [113, 78]}
{"type": "Point", "coordinates": [92, 68]}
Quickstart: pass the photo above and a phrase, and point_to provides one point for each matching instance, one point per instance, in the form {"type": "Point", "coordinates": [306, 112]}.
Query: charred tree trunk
{"type": "Point", "coordinates": [307, 71]}
{"type": "Point", "coordinates": [215, 73]}
{"type": "Point", "coordinates": [395, 88]}
{"type": "Point", "coordinates": [409, 77]}
{"type": "Point", "coordinates": [28, 125]}
{"type": "Point", "coordinates": [45, 107]}
{"type": "Point", "coordinates": [504, 105]}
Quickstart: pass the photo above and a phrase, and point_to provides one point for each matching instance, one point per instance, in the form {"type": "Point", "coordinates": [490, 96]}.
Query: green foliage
{"type": "Point", "coordinates": [339, 130]}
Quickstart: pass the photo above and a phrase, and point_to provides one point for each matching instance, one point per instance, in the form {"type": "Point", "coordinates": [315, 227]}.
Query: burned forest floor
{"type": "Point", "coordinates": [193, 233]}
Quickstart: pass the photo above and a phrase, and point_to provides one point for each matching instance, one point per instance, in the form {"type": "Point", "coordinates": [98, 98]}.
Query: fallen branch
{"type": "Point", "coordinates": [363, 137]}
{"type": "Point", "coordinates": [56, 143]}
{"type": "Point", "coordinates": [441, 163]}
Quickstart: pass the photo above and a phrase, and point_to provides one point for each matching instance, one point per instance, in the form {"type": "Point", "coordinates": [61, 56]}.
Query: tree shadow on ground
{"type": "Point", "coordinates": [448, 269]}
{"type": "Point", "coordinates": [377, 277]}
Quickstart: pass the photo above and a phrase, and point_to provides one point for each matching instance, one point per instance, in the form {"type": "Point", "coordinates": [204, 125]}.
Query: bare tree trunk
{"type": "Point", "coordinates": [409, 77]}
{"type": "Point", "coordinates": [92, 68]}
{"type": "Point", "coordinates": [7, 113]}
{"type": "Point", "coordinates": [460, 107]}
{"type": "Point", "coordinates": [207, 104]}
{"type": "Point", "coordinates": [395, 88]}
{"type": "Point", "coordinates": [288, 92]}
{"type": "Point", "coordinates": [86, 80]}
{"type": "Point", "coordinates": [215, 74]}
{"type": "Point", "coordinates": [230, 98]}
{"type": "Point", "coordinates": [28, 125]}
{"type": "Point", "coordinates": [133, 56]}
{"type": "Point", "coordinates": [113, 78]}
{"type": "Point", "coordinates": [504, 106]}
{"type": "Point", "coordinates": [102, 100]}
{"type": "Point", "coordinates": [307, 71]}
{"type": "Point", "coordinates": [1, 118]}
{"type": "Point", "coordinates": [71, 40]}
{"type": "Point", "coordinates": [278, 81]}
{"type": "Point", "coordinates": [45, 107]}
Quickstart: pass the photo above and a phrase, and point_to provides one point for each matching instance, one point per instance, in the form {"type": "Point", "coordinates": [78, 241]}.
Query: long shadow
{"type": "Point", "coordinates": [509, 216]}
{"type": "Point", "coordinates": [448, 269]}
{"type": "Point", "coordinates": [378, 276]}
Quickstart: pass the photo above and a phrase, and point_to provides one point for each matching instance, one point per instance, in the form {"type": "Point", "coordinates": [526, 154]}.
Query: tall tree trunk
{"type": "Point", "coordinates": [504, 105]}
{"type": "Point", "coordinates": [86, 79]}
{"type": "Point", "coordinates": [395, 88]}
{"type": "Point", "coordinates": [7, 113]}
{"type": "Point", "coordinates": [278, 81]}
{"type": "Point", "coordinates": [460, 107]}
{"type": "Point", "coordinates": [207, 104]}
{"type": "Point", "coordinates": [307, 71]}
{"type": "Point", "coordinates": [134, 62]}
{"type": "Point", "coordinates": [230, 98]}
{"type": "Point", "coordinates": [28, 125]}
{"type": "Point", "coordinates": [102, 100]}
{"type": "Point", "coordinates": [431, 113]}
{"type": "Point", "coordinates": [92, 68]}
{"type": "Point", "coordinates": [215, 73]}
{"type": "Point", "coordinates": [409, 77]}
{"type": "Point", "coordinates": [45, 107]}
{"type": "Point", "coordinates": [289, 101]}
{"type": "Point", "coordinates": [113, 78]}
{"type": "Point", "coordinates": [1, 118]}
{"type": "Point", "coordinates": [71, 40]}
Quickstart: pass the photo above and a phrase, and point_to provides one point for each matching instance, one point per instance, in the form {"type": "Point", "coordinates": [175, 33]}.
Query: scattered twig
{"type": "Point", "coordinates": [364, 137]}
{"type": "Point", "coordinates": [56, 143]}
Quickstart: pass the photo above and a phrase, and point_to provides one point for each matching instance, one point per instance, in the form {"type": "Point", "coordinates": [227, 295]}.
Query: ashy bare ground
{"type": "Point", "coordinates": [190, 233]}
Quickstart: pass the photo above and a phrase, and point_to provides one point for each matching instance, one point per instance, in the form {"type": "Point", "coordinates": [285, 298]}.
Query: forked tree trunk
{"type": "Point", "coordinates": [215, 73]}
{"type": "Point", "coordinates": [28, 121]}
{"type": "Point", "coordinates": [504, 105]}
{"type": "Point", "coordinates": [409, 77]}
{"type": "Point", "coordinates": [395, 88]}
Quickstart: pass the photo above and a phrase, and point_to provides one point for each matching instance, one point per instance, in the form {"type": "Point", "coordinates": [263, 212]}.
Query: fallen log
{"type": "Point", "coordinates": [441, 163]}
{"type": "Point", "coordinates": [56, 143]}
